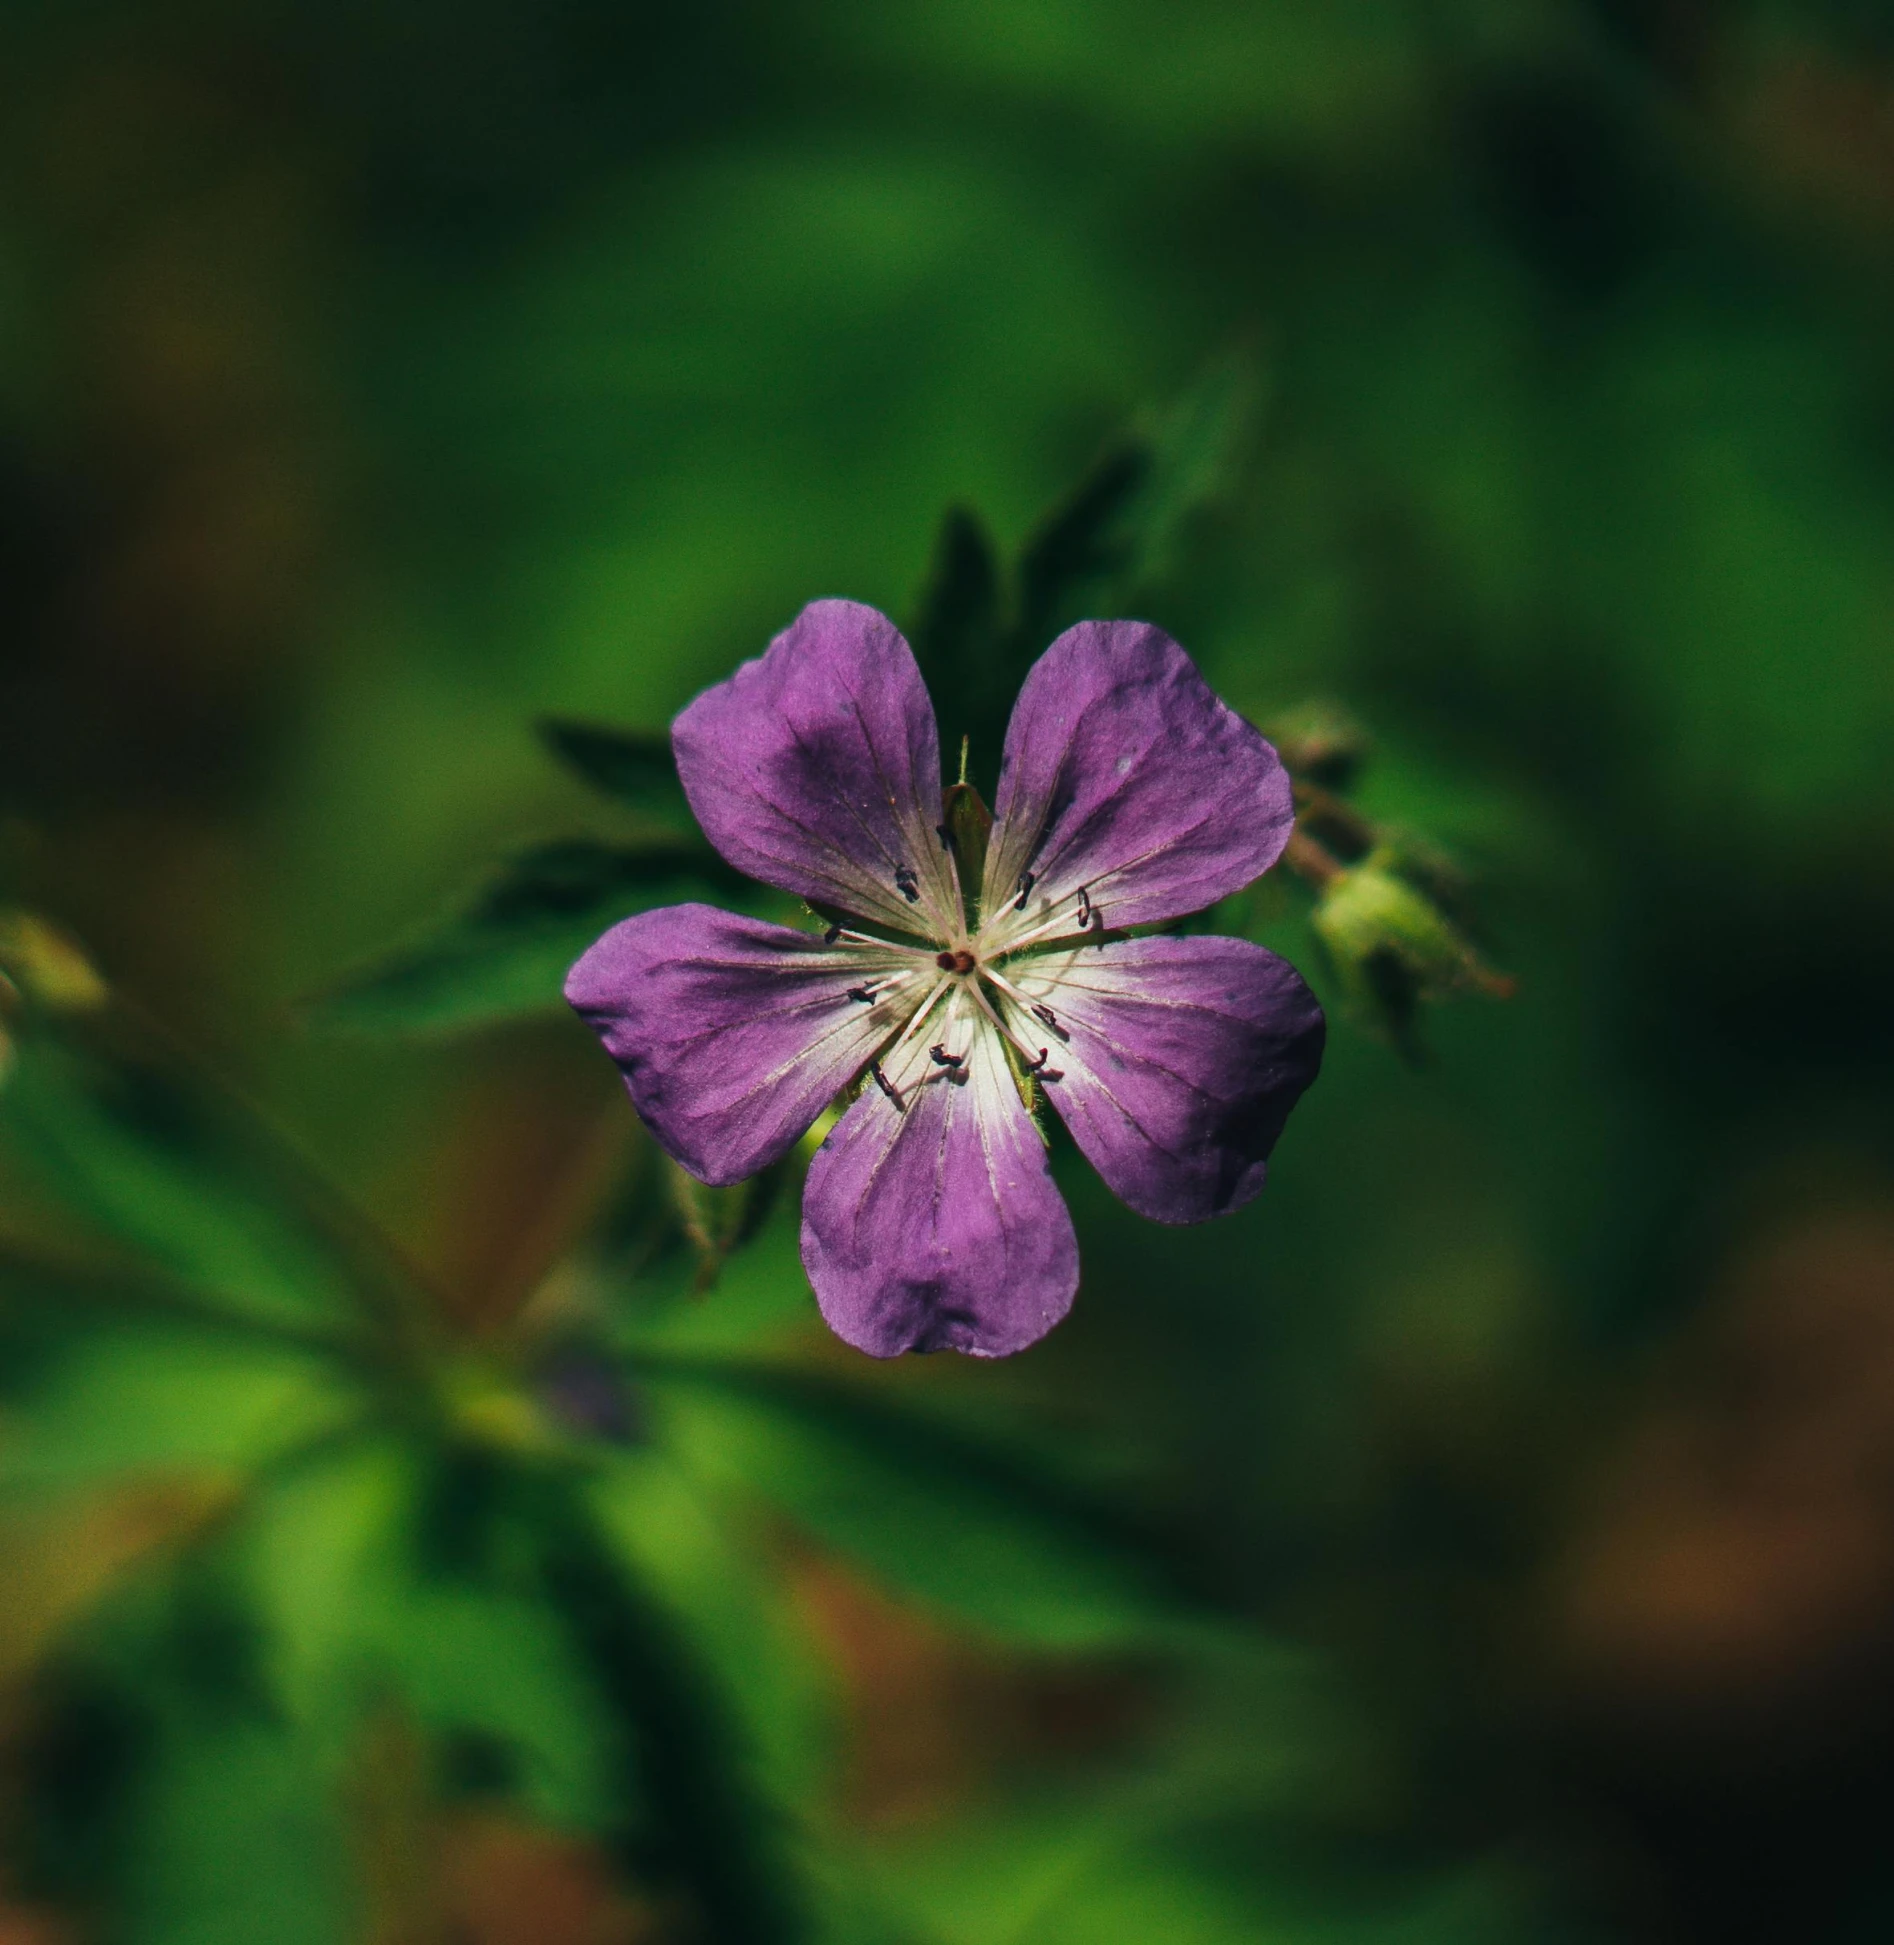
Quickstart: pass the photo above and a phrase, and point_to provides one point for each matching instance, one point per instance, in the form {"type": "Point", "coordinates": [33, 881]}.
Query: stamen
{"type": "Point", "coordinates": [942, 1058]}
{"type": "Point", "coordinates": [1060, 921]}
{"type": "Point", "coordinates": [1035, 1062]}
{"type": "Point", "coordinates": [907, 884]}
{"type": "Point", "coordinates": [1043, 1014]}
{"type": "Point", "coordinates": [1025, 891]}
{"type": "Point", "coordinates": [887, 1087]}
{"type": "Point", "coordinates": [865, 994]}
{"type": "Point", "coordinates": [915, 1021]}
{"type": "Point", "coordinates": [832, 934]}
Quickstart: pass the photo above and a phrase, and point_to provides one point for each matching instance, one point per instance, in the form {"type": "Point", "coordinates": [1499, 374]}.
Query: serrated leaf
{"type": "Point", "coordinates": [509, 951]}
{"type": "Point", "coordinates": [931, 1512]}
{"type": "Point", "coordinates": [633, 767]}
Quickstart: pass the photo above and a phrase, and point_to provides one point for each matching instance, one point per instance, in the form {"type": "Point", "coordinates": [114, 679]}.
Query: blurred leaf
{"type": "Point", "coordinates": [162, 1402]}
{"type": "Point", "coordinates": [676, 1540]}
{"type": "Point", "coordinates": [387, 1572]}
{"type": "Point", "coordinates": [238, 1837]}
{"type": "Point", "coordinates": [711, 1831]}
{"type": "Point", "coordinates": [147, 1153]}
{"type": "Point", "coordinates": [1117, 532]}
{"type": "Point", "coordinates": [636, 767]}
{"type": "Point", "coordinates": [932, 1512]}
{"type": "Point", "coordinates": [1140, 1864]}
{"type": "Point", "coordinates": [48, 965]}
{"type": "Point", "coordinates": [958, 641]}
{"type": "Point", "coordinates": [509, 952]}
{"type": "Point", "coordinates": [65, 1549]}
{"type": "Point", "coordinates": [1114, 536]}
{"type": "Point", "coordinates": [164, 1783]}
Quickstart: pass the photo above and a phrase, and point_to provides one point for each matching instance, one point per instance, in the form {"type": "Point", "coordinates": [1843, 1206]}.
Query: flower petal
{"type": "Point", "coordinates": [732, 1035]}
{"type": "Point", "coordinates": [816, 768]}
{"type": "Point", "coordinates": [1179, 1062]}
{"type": "Point", "coordinates": [937, 1226]}
{"type": "Point", "coordinates": [1126, 775]}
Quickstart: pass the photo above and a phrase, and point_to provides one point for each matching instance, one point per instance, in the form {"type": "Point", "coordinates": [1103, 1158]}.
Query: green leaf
{"type": "Point", "coordinates": [1117, 532]}
{"type": "Point", "coordinates": [148, 1401]}
{"type": "Point", "coordinates": [170, 1788]}
{"type": "Point", "coordinates": [146, 1152]}
{"type": "Point", "coordinates": [933, 1512]}
{"type": "Point", "coordinates": [633, 767]}
{"type": "Point", "coordinates": [711, 1832]}
{"type": "Point", "coordinates": [508, 953]}
{"type": "Point", "coordinates": [672, 1536]}
{"type": "Point", "coordinates": [969, 824]}
{"type": "Point", "coordinates": [239, 1837]}
{"type": "Point", "coordinates": [958, 637]}
{"type": "Point", "coordinates": [384, 1571]}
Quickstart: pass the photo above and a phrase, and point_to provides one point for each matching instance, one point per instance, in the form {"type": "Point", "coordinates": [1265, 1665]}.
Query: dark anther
{"type": "Point", "coordinates": [908, 885]}
{"type": "Point", "coordinates": [862, 993]}
{"type": "Point", "coordinates": [1038, 1066]}
{"type": "Point", "coordinates": [831, 935]}
{"type": "Point", "coordinates": [1046, 1017]}
{"type": "Point", "coordinates": [885, 1084]}
{"type": "Point", "coordinates": [1025, 891]}
{"type": "Point", "coordinates": [942, 1058]}
{"type": "Point", "coordinates": [945, 835]}
{"type": "Point", "coordinates": [1085, 908]}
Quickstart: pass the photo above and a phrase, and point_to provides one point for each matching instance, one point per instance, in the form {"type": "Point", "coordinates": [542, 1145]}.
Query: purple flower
{"type": "Point", "coordinates": [1129, 795]}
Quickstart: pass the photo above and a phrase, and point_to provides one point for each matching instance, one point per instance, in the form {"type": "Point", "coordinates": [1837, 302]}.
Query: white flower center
{"type": "Point", "coordinates": [938, 1000]}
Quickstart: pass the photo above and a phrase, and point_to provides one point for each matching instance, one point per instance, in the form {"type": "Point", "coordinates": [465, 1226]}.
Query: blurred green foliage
{"type": "Point", "coordinates": [1484, 1536]}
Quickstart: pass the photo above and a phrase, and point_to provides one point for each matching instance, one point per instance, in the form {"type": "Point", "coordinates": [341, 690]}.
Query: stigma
{"type": "Point", "coordinates": [961, 961]}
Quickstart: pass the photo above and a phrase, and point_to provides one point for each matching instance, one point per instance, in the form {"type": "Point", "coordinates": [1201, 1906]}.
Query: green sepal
{"type": "Point", "coordinates": [719, 1221]}
{"type": "Point", "coordinates": [968, 825]}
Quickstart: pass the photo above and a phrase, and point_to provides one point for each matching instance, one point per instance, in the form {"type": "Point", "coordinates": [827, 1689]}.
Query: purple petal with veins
{"type": "Point", "coordinates": [732, 1035]}
{"type": "Point", "coordinates": [1128, 783]}
{"type": "Point", "coordinates": [1180, 1060]}
{"type": "Point", "coordinates": [816, 768]}
{"type": "Point", "coordinates": [936, 1226]}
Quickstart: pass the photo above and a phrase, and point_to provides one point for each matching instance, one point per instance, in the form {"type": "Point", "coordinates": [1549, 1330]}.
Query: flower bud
{"type": "Point", "coordinates": [1392, 946]}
